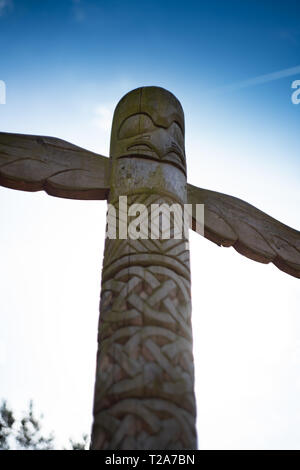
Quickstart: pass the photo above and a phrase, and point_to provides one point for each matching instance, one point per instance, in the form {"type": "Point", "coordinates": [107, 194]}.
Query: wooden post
{"type": "Point", "coordinates": [144, 391]}
{"type": "Point", "coordinates": [144, 395]}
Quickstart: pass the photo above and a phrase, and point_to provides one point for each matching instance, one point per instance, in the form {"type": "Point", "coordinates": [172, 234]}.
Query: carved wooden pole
{"type": "Point", "coordinates": [144, 392]}
{"type": "Point", "coordinates": [144, 395]}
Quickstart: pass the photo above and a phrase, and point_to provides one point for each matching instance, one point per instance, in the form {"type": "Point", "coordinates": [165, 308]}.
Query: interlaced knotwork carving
{"type": "Point", "coordinates": [144, 396]}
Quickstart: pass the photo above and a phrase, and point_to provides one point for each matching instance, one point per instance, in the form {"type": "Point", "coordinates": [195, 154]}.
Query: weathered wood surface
{"type": "Point", "coordinates": [144, 396]}
{"type": "Point", "coordinates": [229, 221]}
{"type": "Point", "coordinates": [35, 163]}
{"type": "Point", "coordinates": [144, 392]}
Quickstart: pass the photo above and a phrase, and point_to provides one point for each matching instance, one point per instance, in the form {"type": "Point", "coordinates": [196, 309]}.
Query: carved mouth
{"type": "Point", "coordinates": [144, 150]}
{"type": "Point", "coordinates": [175, 159]}
{"type": "Point", "coordinates": [177, 163]}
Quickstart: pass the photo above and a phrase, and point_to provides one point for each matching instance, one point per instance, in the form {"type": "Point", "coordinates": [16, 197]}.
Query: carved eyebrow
{"type": "Point", "coordinates": [152, 122]}
{"type": "Point", "coordinates": [135, 115]}
{"type": "Point", "coordinates": [178, 125]}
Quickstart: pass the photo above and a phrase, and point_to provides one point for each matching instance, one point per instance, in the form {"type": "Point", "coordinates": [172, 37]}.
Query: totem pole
{"type": "Point", "coordinates": [144, 396]}
{"type": "Point", "coordinates": [144, 390]}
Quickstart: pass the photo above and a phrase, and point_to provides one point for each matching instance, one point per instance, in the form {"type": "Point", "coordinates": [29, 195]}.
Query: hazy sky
{"type": "Point", "coordinates": [66, 64]}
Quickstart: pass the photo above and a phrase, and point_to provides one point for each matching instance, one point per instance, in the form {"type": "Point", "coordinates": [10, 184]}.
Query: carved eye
{"type": "Point", "coordinates": [135, 125]}
{"type": "Point", "coordinates": [177, 133]}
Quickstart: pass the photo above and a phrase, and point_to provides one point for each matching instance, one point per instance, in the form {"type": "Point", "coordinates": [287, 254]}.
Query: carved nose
{"type": "Point", "coordinates": [176, 147]}
{"type": "Point", "coordinates": [143, 136]}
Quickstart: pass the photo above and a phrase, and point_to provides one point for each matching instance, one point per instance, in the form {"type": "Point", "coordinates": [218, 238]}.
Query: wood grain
{"type": "Point", "coordinates": [229, 221]}
{"type": "Point", "coordinates": [36, 163]}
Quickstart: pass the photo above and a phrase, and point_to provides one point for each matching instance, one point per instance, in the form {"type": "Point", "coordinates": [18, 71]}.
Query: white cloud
{"type": "Point", "coordinates": [104, 115]}
{"type": "Point", "coordinates": [78, 12]}
{"type": "Point", "coordinates": [4, 6]}
{"type": "Point", "coordinates": [270, 77]}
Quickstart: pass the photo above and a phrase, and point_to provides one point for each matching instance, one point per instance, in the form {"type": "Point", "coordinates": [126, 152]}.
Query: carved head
{"type": "Point", "coordinates": [149, 123]}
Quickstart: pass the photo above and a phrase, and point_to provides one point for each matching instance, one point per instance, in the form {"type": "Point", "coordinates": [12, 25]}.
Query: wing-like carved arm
{"type": "Point", "coordinates": [35, 163]}
{"type": "Point", "coordinates": [229, 221]}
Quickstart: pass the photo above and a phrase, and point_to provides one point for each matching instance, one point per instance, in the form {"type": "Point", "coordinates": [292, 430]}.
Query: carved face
{"type": "Point", "coordinates": [149, 123]}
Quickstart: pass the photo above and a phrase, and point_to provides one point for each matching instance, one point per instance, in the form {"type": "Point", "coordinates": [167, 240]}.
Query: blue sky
{"type": "Point", "coordinates": [61, 57]}
{"type": "Point", "coordinates": [66, 64]}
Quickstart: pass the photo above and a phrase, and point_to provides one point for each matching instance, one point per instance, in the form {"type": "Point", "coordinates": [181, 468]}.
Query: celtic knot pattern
{"type": "Point", "coordinates": [144, 397]}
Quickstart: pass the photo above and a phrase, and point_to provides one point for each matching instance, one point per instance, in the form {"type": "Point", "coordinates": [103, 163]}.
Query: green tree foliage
{"type": "Point", "coordinates": [26, 433]}
{"type": "Point", "coordinates": [80, 445]}
{"type": "Point", "coordinates": [7, 421]}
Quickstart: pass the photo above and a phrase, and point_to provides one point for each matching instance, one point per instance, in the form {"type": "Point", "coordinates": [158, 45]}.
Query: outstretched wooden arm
{"type": "Point", "coordinates": [35, 163]}
{"type": "Point", "coordinates": [229, 221]}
